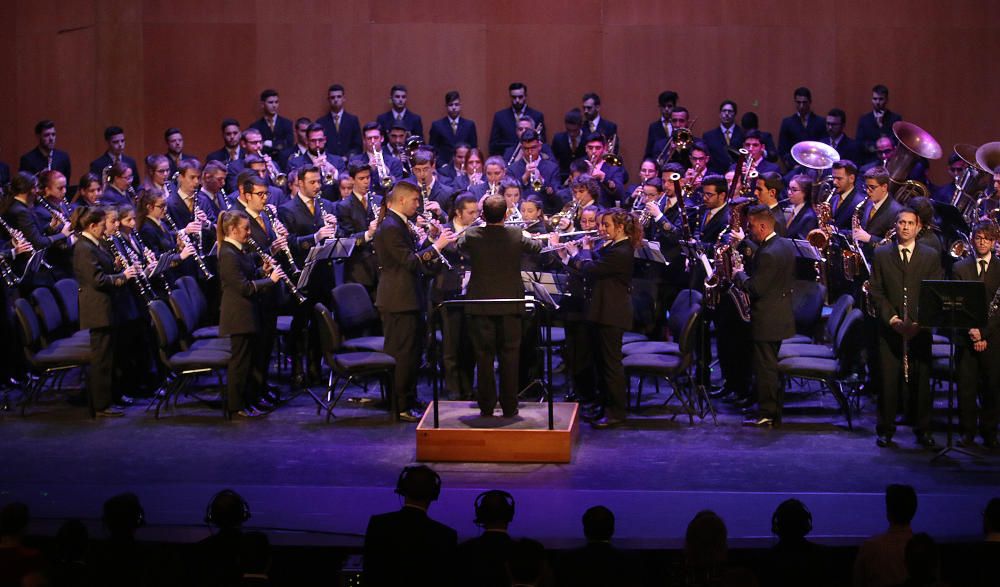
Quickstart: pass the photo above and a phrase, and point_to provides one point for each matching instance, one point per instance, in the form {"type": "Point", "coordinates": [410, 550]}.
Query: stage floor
{"type": "Point", "coordinates": [321, 481]}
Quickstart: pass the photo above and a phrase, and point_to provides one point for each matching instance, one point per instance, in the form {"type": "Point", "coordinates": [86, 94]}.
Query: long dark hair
{"type": "Point", "coordinates": [147, 197]}
{"type": "Point", "coordinates": [227, 220]}
{"type": "Point", "coordinates": [85, 216]}
{"type": "Point", "coordinates": [621, 217]}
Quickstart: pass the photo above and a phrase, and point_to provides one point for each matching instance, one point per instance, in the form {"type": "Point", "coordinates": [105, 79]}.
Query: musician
{"type": "Point", "coordinates": [679, 118]}
{"type": "Point", "coordinates": [88, 192]}
{"type": "Point", "coordinates": [4, 173]}
{"type": "Point", "coordinates": [128, 222]}
{"type": "Point", "coordinates": [495, 170]}
{"type": "Point", "coordinates": [243, 286]}
{"type": "Point", "coordinates": [132, 359]}
{"type": "Point", "coordinates": [513, 154]}
{"type": "Point", "coordinates": [749, 122]}
{"type": "Point", "coordinates": [391, 166]}
{"type": "Point", "coordinates": [715, 217]}
{"type": "Point", "coordinates": [898, 268]}
{"type": "Point", "coordinates": [454, 170]}
{"type": "Point", "coordinates": [979, 352]}
{"type": "Point", "coordinates": [876, 123]}
{"type": "Point", "coordinates": [769, 285]}
{"type": "Point", "coordinates": [769, 185]}
{"type": "Point", "coordinates": [801, 126]}
{"type": "Point", "coordinates": [310, 221]}
{"type": "Point", "coordinates": [398, 113]}
{"type": "Point", "coordinates": [157, 172]}
{"type": "Point", "coordinates": [101, 292]}
{"type": "Point", "coordinates": [396, 143]}
{"type": "Point", "coordinates": [945, 193]}
{"type": "Point", "coordinates": [114, 136]}
{"type": "Point", "coordinates": [585, 193]}
{"type": "Point", "coordinates": [449, 132]}
{"type": "Point", "coordinates": [648, 169]}
{"type": "Point", "coordinates": [595, 122]}
{"type": "Point", "coordinates": [45, 155]}
{"type": "Point", "coordinates": [568, 145]}
{"type": "Point", "coordinates": [231, 149]}
{"type": "Point", "coordinates": [693, 175]}
{"type": "Point", "coordinates": [845, 198]}
{"type": "Point", "coordinates": [18, 212]}
{"type": "Point", "coordinates": [404, 256]}
{"type": "Point", "coordinates": [341, 127]}
{"type": "Point", "coordinates": [251, 143]}
{"type": "Point", "coordinates": [345, 186]}
{"type": "Point", "coordinates": [510, 189]}
{"type": "Point", "coordinates": [611, 178]}
{"type": "Point", "coordinates": [213, 179]}
{"type": "Point", "coordinates": [878, 214]}
{"type": "Point", "coordinates": [660, 129]}
{"type": "Point", "coordinates": [723, 139]}
{"type": "Point", "coordinates": [885, 148]}
{"type": "Point", "coordinates": [472, 173]}
{"type": "Point", "coordinates": [174, 140]}
{"type": "Point", "coordinates": [669, 226]}
{"type": "Point", "coordinates": [848, 148]}
{"type": "Point", "coordinates": [357, 219]}
{"type": "Point", "coordinates": [801, 217]}
{"type": "Point", "coordinates": [930, 234]}
{"type": "Point", "coordinates": [301, 145]}
{"type": "Point", "coordinates": [755, 158]}
{"type": "Point", "coordinates": [53, 213]}
{"type": "Point", "coordinates": [532, 168]}
{"type": "Point", "coordinates": [608, 272]}
{"type": "Point", "coordinates": [274, 129]}
{"type": "Point", "coordinates": [457, 356]}
{"type": "Point", "coordinates": [532, 213]}
{"type": "Point", "coordinates": [331, 166]}
{"type": "Point", "coordinates": [503, 133]}
{"type": "Point", "coordinates": [188, 208]}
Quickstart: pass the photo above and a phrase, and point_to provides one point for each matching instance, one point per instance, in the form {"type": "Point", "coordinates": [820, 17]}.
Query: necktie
{"type": "Point", "coordinates": [708, 216]}
{"type": "Point", "coordinates": [593, 126]}
{"type": "Point", "coordinates": [791, 217]}
{"type": "Point", "coordinates": [982, 270]}
{"type": "Point", "coordinates": [454, 127]}
{"type": "Point", "coordinates": [833, 204]}
{"type": "Point", "coordinates": [729, 135]}
{"type": "Point", "coordinates": [312, 207]}
{"type": "Point", "coordinates": [878, 119]}
{"type": "Point", "coordinates": [190, 204]}
{"type": "Point", "coordinates": [573, 142]}
{"type": "Point", "coordinates": [336, 123]}
{"type": "Point", "coordinates": [666, 128]}
{"type": "Point", "coordinates": [906, 256]}
{"type": "Point", "coordinates": [871, 213]}
{"type": "Point", "coordinates": [399, 117]}
{"type": "Point", "coordinates": [270, 124]}
{"type": "Point", "coordinates": [260, 221]}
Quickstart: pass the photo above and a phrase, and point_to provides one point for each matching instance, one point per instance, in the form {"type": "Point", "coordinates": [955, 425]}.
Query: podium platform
{"type": "Point", "coordinates": [465, 436]}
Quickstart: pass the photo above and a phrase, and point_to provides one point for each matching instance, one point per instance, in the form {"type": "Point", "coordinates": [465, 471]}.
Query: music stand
{"type": "Point", "coordinates": [953, 306]}
{"type": "Point", "coordinates": [333, 248]}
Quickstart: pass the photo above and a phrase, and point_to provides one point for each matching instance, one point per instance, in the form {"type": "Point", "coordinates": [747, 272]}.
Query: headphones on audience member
{"type": "Point", "coordinates": [243, 505]}
{"type": "Point", "coordinates": [505, 512]}
{"type": "Point", "coordinates": [409, 485]}
{"type": "Point", "coordinates": [793, 512]}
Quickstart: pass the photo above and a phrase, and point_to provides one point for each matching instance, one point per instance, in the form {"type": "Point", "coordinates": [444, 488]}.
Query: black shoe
{"type": "Point", "coordinates": [925, 440]}
{"type": "Point", "coordinates": [759, 422]}
{"type": "Point", "coordinates": [990, 442]}
{"type": "Point", "coordinates": [966, 441]}
{"type": "Point", "coordinates": [110, 412]}
{"type": "Point", "coordinates": [418, 405]}
{"type": "Point", "coordinates": [511, 414]}
{"type": "Point", "coordinates": [744, 402]}
{"type": "Point", "coordinates": [124, 401]}
{"type": "Point", "coordinates": [883, 440]}
{"type": "Point", "coordinates": [263, 405]}
{"type": "Point", "coordinates": [485, 413]}
{"type": "Point", "coordinates": [409, 416]}
{"type": "Point", "coordinates": [607, 422]}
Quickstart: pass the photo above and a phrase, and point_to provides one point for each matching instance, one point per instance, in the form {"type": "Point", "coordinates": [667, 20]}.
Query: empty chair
{"type": "Point", "coordinates": [54, 328]}
{"type": "Point", "coordinates": [197, 328]}
{"type": "Point", "coordinates": [357, 318]}
{"type": "Point", "coordinates": [808, 298]}
{"type": "Point", "coordinates": [67, 293]}
{"type": "Point", "coordinates": [677, 319]}
{"type": "Point", "coordinates": [186, 316]}
{"type": "Point", "coordinates": [841, 306]}
{"type": "Point", "coordinates": [825, 350]}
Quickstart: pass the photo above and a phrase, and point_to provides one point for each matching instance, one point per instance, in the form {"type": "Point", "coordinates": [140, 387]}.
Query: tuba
{"type": "Point", "coordinates": [916, 143]}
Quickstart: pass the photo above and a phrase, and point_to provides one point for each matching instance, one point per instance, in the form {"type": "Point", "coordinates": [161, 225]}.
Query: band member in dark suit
{"type": "Point", "coordinates": [331, 166]}
{"type": "Point", "coordinates": [608, 272]}
{"type": "Point", "coordinates": [18, 212]}
{"type": "Point", "coordinates": [101, 291]}
{"type": "Point", "coordinates": [213, 180]}
{"type": "Point", "coordinates": [276, 130]}
{"type": "Point", "coordinates": [876, 123]}
{"type": "Point", "coordinates": [251, 144]}
{"type": "Point", "coordinates": [4, 173]}
{"type": "Point", "coordinates": [752, 142]}
{"type": "Point", "coordinates": [979, 352]}
{"type": "Point", "coordinates": [310, 221]}
{"type": "Point", "coordinates": [715, 213]}
{"type": "Point", "coordinates": [540, 176]}
{"type": "Point", "coordinates": [503, 133]}
{"type": "Point", "coordinates": [945, 192]}
{"type": "Point", "coordinates": [494, 253]}
{"type": "Point", "coordinates": [343, 129]}
{"type": "Point", "coordinates": [405, 255]}
{"type": "Point", "coordinates": [749, 122]}
{"type": "Point", "coordinates": [299, 147]}
{"type": "Point", "coordinates": [357, 219]}
{"type": "Point", "coordinates": [399, 544]}
{"type": "Point", "coordinates": [88, 192]}
{"type": "Point", "coordinates": [769, 185]}
{"type": "Point", "coordinates": [494, 171]}
{"type": "Point", "coordinates": [597, 123]}
{"type": "Point", "coordinates": [848, 148]}
{"type": "Point", "coordinates": [398, 113]}
{"type": "Point", "coordinates": [885, 148]}
{"type": "Point", "coordinates": [453, 170]}
{"type": "Point", "coordinates": [769, 285]}
{"type": "Point", "coordinates": [153, 230]}
{"type": "Point", "coordinates": [585, 192]}
{"type": "Point", "coordinates": [231, 150]}
{"type": "Point", "coordinates": [670, 224]}
{"type": "Point", "coordinates": [514, 154]}
{"type": "Point", "coordinates": [174, 140]}
{"type": "Point", "coordinates": [241, 314]}
{"type": "Point", "coordinates": [679, 118]}
{"type": "Point", "coordinates": [878, 213]}
{"type": "Point", "coordinates": [389, 166]}
{"type": "Point", "coordinates": [804, 125]}
{"type": "Point", "coordinates": [119, 188]}
{"type": "Point", "coordinates": [457, 355]}
{"type": "Point", "coordinates": [53, 213]}
{"type": "Point", "coordinates": [846, 197]}
{"type": "Point", "coordinates": [188, 210]}
{"type": "Point", "coordinates": [898, 268]}
{"type": "Point", "coordinates": [114, 136]}
{"type": "Point", "coordinates": [568, 145]}
{"type": "Point", "coordinates": [610, 177]}
{"type": "Point", "coordinates": [660, 129]}
{"type": "Point", "coordinates": [45, 155]}
{"type": "Point", "coordinates": [801, 218]}
{"type": "Point", "coordinates": [648, 169]}
{"type": "Point", "coordinates": [448, 132]}
{"type": "Point", "coordinates": [435, 194]}
{"type": "Point", "coordinates": [723, 139]}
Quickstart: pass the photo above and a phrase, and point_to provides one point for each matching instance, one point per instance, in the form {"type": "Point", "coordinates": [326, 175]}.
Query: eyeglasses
{"type": "Point", "coordinates": [885, 151]}
{"type": "Point", "coordinates": [702, 158]}
{"type": "Point", "coordinates": [259, 194]}
{"type": "Point", "coordinates": [982, 239]}
{"type": "Point", "coordinates": [160, 206]}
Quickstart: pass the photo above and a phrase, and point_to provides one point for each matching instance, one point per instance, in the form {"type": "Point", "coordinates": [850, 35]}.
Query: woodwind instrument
{"type": "Point", "coordinates": [906, 339]}
{"type": "Point", "coordinates": [271, 214]}
{"type": "Point", "coordinates": [186, 241]}
{"type": "Point", "coordinates": [142, 286]}
{"type": "Point", "coordinates": [268, 259]}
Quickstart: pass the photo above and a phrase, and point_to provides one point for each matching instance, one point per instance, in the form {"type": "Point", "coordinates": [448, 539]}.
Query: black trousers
{"type": "Point", "coordinates": [245, 374]}
{"type": "Point", "coordinates": [580, 357]}
{"type": "Point", "coordinates": [404, 332]}
{"type": "Point", "coordinates": [496, 337]}
{"type": "Point", "coordinates": [890, 351]}
{"type": "Point", "coordinates": [767, 381]}
{"type": "Point", "coordinates": [101, 377]}
{"type": "Point", "coordinates": [732, 339]}
{"type": "Point", "coordinates": [457, 355]}
{"type": "Point", "coordinates": [979, 377]}
{"type": "Point", "coordinates": [611, 372]}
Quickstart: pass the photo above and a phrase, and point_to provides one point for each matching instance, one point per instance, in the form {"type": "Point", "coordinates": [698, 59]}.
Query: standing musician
{"type": "Point", "coordinates": [398, 113]}
{"type": "Point", "coordinates": [845, 197]}
{"type": "Point", "coordinates": [769, 185]}
{"type": "Point", "coordinates": [568, 146]}
{"type": "Point", "coordinates": [114, 136]}
{"type": "Point", "coordinates": [18, 212]}
{"type": "Point", "coordinates": [607, 270]}
{"type": "Point", "coordinates": [668, 224]}
{"type": "Point", "coordinates": [979, 353]}
{"type": "Point", "coordinates": [715, 215]}
{"type": "Point", "coordinates": [213, 180]}
{"type": "Point", "coordinates": [119, 188]}
{"type": "Point", "coordinates": [801, 217]}
{"type": "Point", "coordinates": [251, 143]}
{"type": "Point", "coordinates": [514, 153]}
{"type": "Point", "coordinates": [451, 131]}
{"type": "Point", "coordinates": [130, 342]}
{"type": "Point", "coordinates": [434, 191]}
{"type": "Point", "coordinates": [610, 177]}
{"type": "Point", "coordinates": [904, 348]}
{"type": "Point", "coordinates": [231, 149]}
{"type": "Point", "coordinates": [679, 118]}
{"type": "Point", "coordinates": [342, 128]}
{"type": "Point", "coordinates": [725, 138]}
{"type": "Point", "coordinates": [101, 291]}
{"type": "Point", "coordinates": [357, 216]}
{"type": "Point", "coordinates": [660, 129]}
{"type": "Point", "coordinates": [153, 230]}
{"type": "Point", "coordinates": [404, 255]}
{"type": "Point", "coordinates": [276, 130]}
{"type": "Point", "coordinates": [382, 162]}
{"type": "Point", "coordinates": [188, 209]}
{"type": "Point", "coordinates": [53, 212]}
{"type": "Point", "coordinates": [536, 174]}
{"type": "Point", "coordinates": [45, 155]}
{"type": "Point", "coordinates": [769, 285]}
{"type": "Point", "coordinates": [801, 126]}
{"type": "Point", "coordinates": [331, 166]}
{"type": "Point", "coordinates": [241, 315]}
{"type": "Point", "coordinates": [878, 214]}
{"type": "Point", "coordinates": [503, 133]}
{"type": "Point", "coordinates": [175, 147]}
{"type": "Point", "coordinates": [494, 252]}
{"type": "Point", "coordinates": [310, 221]}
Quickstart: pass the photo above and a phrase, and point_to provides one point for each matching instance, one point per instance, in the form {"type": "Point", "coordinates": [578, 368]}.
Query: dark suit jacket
{"type": "Point", "coordinates": [503, 133]}
{"type": "Point", "coordinates": [606, 128]}
{"type": "Point", "coordinates": [403, 260]}
{"type": "Point", "coordinates": [763, 166]}
{"type": "Point", "coordinates": [113, 197]}
{"type": "Point", "coordinates": [547, 169]}
{"type": "Point", "coordinates": [845, 209]}
{"type": "Point", "coordinates": [352, 221]}
{"type": "Point", "coordinates": [793, 131]}
{"type": "Point", "coordinates": [889, 278]}
{"type": "Point", "coordinates": [495, 258]}
{"type": "Point", "coordinates": [23, 218]}
{"type": "Point", "coordinates": [710, 232]}
{"type": "Point", "coordinates": [968, 269]}
{"type": "Point", "coordinates": [564, 154]}
{"type": "Point", "coordinates": [97, 167]}
{"type": "Point", "coordinates": [848, 149]}
{"type": "Point", "coordinates": [242, 286]}
{"type": "Point", "coordinates": [444, 140]}
{"type": "Point", "coordinates": [879, 225]}
{"type": "Point", "coordinates": [330, 192]}
{"type": "Point", "coordinates": [654, 135]}
{"type": "Point", "coordinates": [411, 121]}
{"type": "Point", "coordinates": [718, 150]}
{"type": "Point", "coordinates": [598, 564]}
{"type": "Point", "coordinates": [483, 560]}
{"type": "Point", "coordinates": [223, 155]}
{"type": "Point", "coordinates": [780, 226]}
{"type": "Point", "coordinates": [281, 138]}
{"type": "Point", "coordinates": [399, 547]}
{"type": "Point", "coordinates": [869, 131]}
{"type": "Point", "coordinates": [180, 214]}
{"type": "Point", "coordinates": [803, 222]}
{"type": "Point", "coordinates": [609, 274]}
{"type": "Point", "coordinates": [769, 284]}
{"type": "Point", "coordinates": [346, 142]}
{"type": "Point", "coordinates": [101, 288]}
{"type": "Point", "coordinates": [4, 174]}
{"type": "Point", "coordinates": [33, 161]}
{"type": "Point", "coordinates": [302, 225]}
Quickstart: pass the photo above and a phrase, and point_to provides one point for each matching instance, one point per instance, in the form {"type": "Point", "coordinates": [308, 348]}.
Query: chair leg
{"type": "Point", "coordinates": [836, 388]}
{"type": "Point", "coordinates": [31, 391]}
{"type": "Point", "coordinates": [333, 404]}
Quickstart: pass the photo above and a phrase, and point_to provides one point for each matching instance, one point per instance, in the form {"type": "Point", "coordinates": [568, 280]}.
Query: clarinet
{"type": "Point", "coordinates": [269, 259]}
{"type": "Point", "coordinates": [187, 241]}
{"type": "Point", "coordinates": [146, 295]}
{"type": "Point", "coordinates": [906, 342]}
{"type": "Point", "coordinates": [141, 246]}
{"type": "Point", "coordinates": [281, 230]}
{"type": "Point", "coordinates": [416, 230]}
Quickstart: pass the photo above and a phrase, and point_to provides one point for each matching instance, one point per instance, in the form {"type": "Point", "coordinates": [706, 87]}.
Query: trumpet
{"type": "Point", "coordinates": [536, 178]}
{"type": "Point", "coordinates": [385, 177]}
{"type": "Point", "coordinates": [277, 177]}
{"type": "Point", "coordinates": [199, 259]}
{"type": "Point", "coordinates": [270, 213]}
{"type": "Point", "coordinates": [326, 169]}
{"type": "Point", "coordinates": [269, 260]}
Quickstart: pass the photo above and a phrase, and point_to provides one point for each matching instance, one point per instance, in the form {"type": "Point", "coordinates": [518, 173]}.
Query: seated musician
{"type": "Point", "coordinates": [585, 194]}
{"type": "Point", "coordinates": [769, 185]}
{"type": "Point", "coordinates": [801, 218]}
{"type": "Point", "coordinates": [495, 169]}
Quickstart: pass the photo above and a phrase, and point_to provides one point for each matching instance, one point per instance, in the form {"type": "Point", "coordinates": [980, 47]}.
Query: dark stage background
{"type": "Point", "coordinates": [147, 65]}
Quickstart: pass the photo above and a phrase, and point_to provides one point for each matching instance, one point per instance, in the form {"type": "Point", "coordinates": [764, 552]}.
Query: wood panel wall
{"type": "Point", "coordinates": [150, 64]}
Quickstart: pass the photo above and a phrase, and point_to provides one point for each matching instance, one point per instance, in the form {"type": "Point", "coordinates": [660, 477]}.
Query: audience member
{"type": "Point", "coordinates": [527, 565]}
{"type": "Point", "coordinates": [923, 562]}
{"type": "Point", "coordinates": [881, 561]}
{"type": "Point", "coordinates": [482, 560]}
{"type": "Point", "coordinates": [254, 559]}
{"type": "Point", "coordinates": [69, 566]}
{"type": "Point", "coordinates": [16, 560]}
{"type": "Point", "coordinates": [706, 553]}
{"type": "Point", "coordinates": [217, 558]}
{"type": "Point", "coordinates": [794, 561]}
{"type": "Point", "coordinates": [598, 563]}
{"type": "Point", "coordinates": [121, 559]}
{"type": "Point", "coordinates": [985, 564]}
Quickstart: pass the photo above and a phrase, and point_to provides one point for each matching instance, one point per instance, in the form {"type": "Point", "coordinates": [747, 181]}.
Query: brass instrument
{"type": "Point", "coordinates": [988, 157]}
{"type": "Point", "coordinates": [277, 177]}
{"type": "Point", "coordinates": [681, 141]}
{"type": "Point", "coordinates": [199, 259]}
{"type": "Point", "coordinates": [971, 184]}
{"type": "Point", "coordinates": [960, 247]}
{"type": "Point", "coordinates": [409, 150]}
{"type": "Point", "coordinates": [612, 158]}
{"type": "Point", "coordinates": [536, 178]}
{"type": "Point", "coordinates": [819, 237]}
{"type": "Point", "coordinates": [814, 155]}
{"type": "Point", "coordinates": [327, 171]}
{"type": "Point", "coordinates": [271, 214]}
{"type": "Point", "coordinates": [915, 143]}
{"type": "Point", "coordinates": [726, 259]}
{"type": "Point", "coordinates": [570, 213]}
{"type": "Point", "coordinates": [384, 176]}
{"type": "Point", "coordinates": [299, 297]}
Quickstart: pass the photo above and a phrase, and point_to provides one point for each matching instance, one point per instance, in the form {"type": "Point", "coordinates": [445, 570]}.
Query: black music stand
{"type": "Point", "coordinates": [334, 248]}
{"type": "Point", "coordinates": [546, 288]}
{"type": "Point", "coordinates": [955, 306]}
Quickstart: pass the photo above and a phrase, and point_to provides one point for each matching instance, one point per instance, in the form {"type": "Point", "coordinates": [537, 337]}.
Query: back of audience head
{"type": "Point", "coordinates": [705, 542]}
{"type": "Point", "coordinates": [791, 520]}
{"type": "Point", "coordinates": [598, 524]}
{"type": "Point", "coordinates": [900, 504]}
{"type": "Point", "coordinates": [123, 515]}
{"type": "Point", "coordinates": [227, 510]}
{"type": "Point", "coordinates": [255, 553]}
{"type": "Point", "coordinates": [419, 485]}
{"type": "Point", "coordinates": [991, 517]}
{"type": "Point", "coordinates": [14, 519]}
{"type": "Point", "coordinates": [494, 509]}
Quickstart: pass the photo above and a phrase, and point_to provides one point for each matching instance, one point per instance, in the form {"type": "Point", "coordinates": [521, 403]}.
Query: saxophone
{"type": "Point", "coordinates": [721, 279]}
{"type": "Point", "coordinates": [852, 259]}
